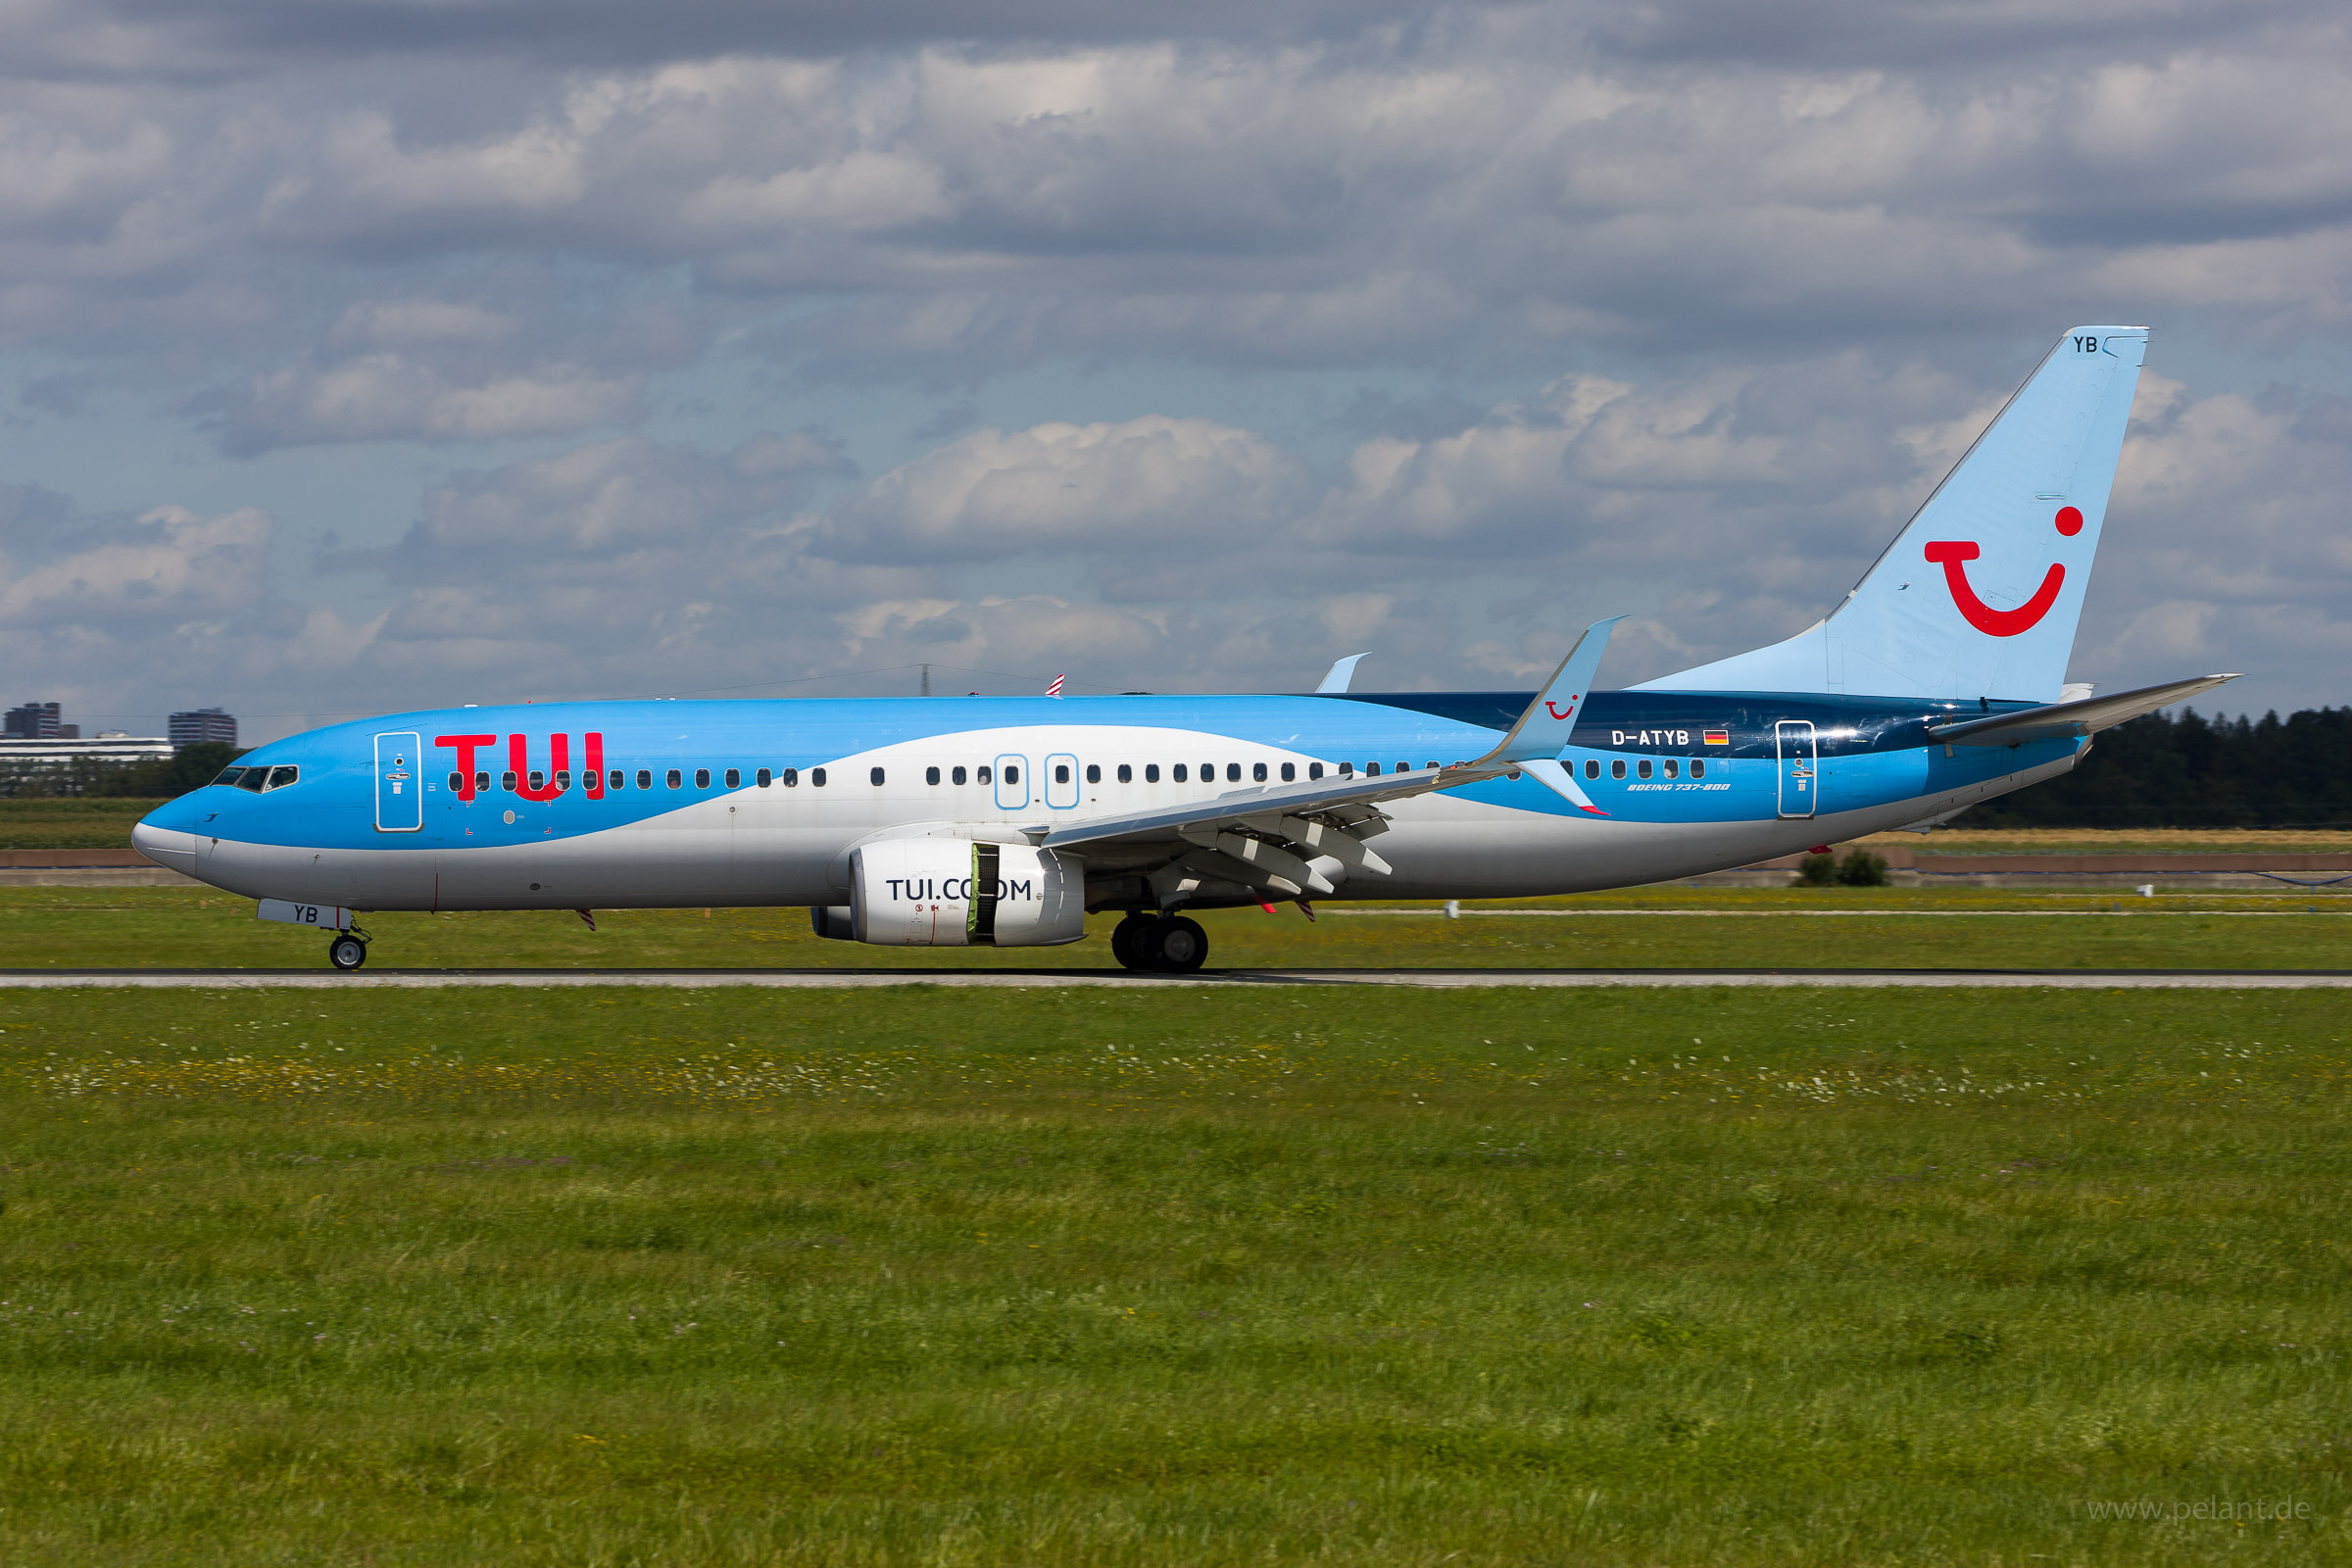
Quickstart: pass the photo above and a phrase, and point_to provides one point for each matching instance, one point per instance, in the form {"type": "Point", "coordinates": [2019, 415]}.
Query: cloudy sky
{"type": "Point", "coordinates": [367, 353]}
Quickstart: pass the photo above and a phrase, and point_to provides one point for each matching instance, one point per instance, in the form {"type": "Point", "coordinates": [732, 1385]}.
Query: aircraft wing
{"type": "Point", "coordinates": [1267, 835]}
{"type": "Point", "coordinates": [2087, 717]}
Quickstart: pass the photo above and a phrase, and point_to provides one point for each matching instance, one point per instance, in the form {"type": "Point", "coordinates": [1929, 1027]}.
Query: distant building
{"type": "Point", "coordinates": [203, 725]}
{"type": "Point", "coordinates": [35, 722]}
{"type": "Point", "coordinates": [33, 763]}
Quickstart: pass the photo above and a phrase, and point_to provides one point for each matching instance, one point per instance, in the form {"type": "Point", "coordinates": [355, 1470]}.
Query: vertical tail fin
{"type": "Point", "coordinates": [1980, 594]}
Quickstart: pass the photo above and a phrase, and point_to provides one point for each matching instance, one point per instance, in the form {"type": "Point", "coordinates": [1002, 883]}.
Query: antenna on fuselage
{"type": "Point", "coordinates": [926, 680]}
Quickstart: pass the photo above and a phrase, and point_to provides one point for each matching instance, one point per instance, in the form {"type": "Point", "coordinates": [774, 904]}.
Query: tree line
{"type": "Point", "coordinates": [2194, 771]}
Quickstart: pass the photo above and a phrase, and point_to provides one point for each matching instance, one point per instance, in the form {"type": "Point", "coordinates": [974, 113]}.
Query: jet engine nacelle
{"type": "Point", "coordinates": [955, 893]}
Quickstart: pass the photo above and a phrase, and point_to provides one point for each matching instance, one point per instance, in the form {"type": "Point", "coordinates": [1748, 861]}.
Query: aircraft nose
{"type": "Point", "coordinates": [173, 848]}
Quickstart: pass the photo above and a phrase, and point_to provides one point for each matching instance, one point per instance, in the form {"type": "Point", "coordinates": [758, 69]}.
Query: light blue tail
{"type": "Point", "coordinates": [1980, 594]}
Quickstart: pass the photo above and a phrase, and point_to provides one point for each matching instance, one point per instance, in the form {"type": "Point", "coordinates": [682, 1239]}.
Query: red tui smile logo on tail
{"type": "Point", "coordinates": [1953, 555]}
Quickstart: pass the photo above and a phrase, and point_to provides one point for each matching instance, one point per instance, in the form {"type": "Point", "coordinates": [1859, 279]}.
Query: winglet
{"type": "Point", "coordinates": [1341, 674]}
{"type": "Point", "coordinates": [1544, 729]}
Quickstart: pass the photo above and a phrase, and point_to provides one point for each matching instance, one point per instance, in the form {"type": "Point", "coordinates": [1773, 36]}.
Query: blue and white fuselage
{"type": "Point", "coordinates": [1000, 821]}
{"type": "Point", "coordinates": [1786, 772]}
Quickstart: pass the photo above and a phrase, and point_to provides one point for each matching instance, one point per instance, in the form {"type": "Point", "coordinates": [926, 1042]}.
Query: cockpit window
{"type": "Point", "coordinates": [280, 777]}
{"type": "Point", "coordinates": [229, 775]}
{"type": "Point", "coordinates": [256, 779]}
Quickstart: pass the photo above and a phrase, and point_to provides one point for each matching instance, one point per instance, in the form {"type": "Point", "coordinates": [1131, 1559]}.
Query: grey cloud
{"type": "Point", "coordinates": [1148, 487]}
{"type": "Point", "coordinates": [222, 34]}
{"type": "Point", "coordinates": [1691, 300]}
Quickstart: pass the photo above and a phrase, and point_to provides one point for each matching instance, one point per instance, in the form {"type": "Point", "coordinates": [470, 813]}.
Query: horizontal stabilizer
{"type": "Point", "coordinates": [2085, 718]}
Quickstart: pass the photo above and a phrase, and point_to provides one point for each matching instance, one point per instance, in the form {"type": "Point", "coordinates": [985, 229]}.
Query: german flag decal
{"type": "Point", "coordinates": [1719, 737]}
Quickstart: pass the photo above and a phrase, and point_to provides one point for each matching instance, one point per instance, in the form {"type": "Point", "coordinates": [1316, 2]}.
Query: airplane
{"type": "Point", "coordinates": [1938, 681]}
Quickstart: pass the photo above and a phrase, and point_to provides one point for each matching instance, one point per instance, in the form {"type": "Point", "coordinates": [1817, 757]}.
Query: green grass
{"type": "Point", "coordinates": [1169, 1278]}
{"type": "Point", "coordinates": [1936, 927]}
{"type": "Point", "coordinates": [86, 822]}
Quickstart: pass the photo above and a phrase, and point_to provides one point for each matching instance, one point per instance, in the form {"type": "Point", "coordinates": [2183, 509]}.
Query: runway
{"type": "Point", "coordinates": [1423, 979]}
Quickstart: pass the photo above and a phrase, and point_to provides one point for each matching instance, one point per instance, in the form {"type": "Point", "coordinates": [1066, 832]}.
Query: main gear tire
{"type": "Point", "coordinates": [347, 953]}
{"type": "Point", "coordinates": [1128, 941]}
{"type": "Point", "coordinates": [1177, 946]}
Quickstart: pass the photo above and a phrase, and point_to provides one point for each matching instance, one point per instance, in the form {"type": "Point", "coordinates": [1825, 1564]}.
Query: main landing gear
{"type": "Point", "coordinates": [348, 950]}
{"type": "Point", "coordinates": [1167, 945]}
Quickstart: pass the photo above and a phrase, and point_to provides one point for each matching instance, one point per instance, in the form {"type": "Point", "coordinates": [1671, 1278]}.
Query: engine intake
{"type": "Point", "coordinates": [956, 892]}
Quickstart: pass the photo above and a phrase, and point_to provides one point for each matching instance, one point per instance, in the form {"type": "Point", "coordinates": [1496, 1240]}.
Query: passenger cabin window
{"type": "Point", "coordinates": [1314, 770]}
{"type": "Point", "coordinates": [1346, 770]}
{"type": "Point", "coordinates": [958, 775]}
{"type": "Point", "coordinates": [930, 775]}
{"type": "Point", "coordinates": [702, 778]}
{"type": "Point", "coordinates": [1592, 768]}
{"type": "Point", "coordinates": [764, 778]}
{"type": "Point", "coordinates": [538, 779]}
{"type": "Point", "coordinates": [1371, 770]}
{"type": "Point", "coordinates": [674, 778]}
{"type": "Point", "coordinates": [1233, 773]}
{"type": "Point", "coordinates": [481, 783]}
{"type": "Point", "coordinates": [1151, 772]}
{"type": "Point", "coordinates": [645, 779]}
{"type": "Point", "coordinates": [1673, 768]}
{"type": "Point", "coordinates": [1289, 772]}
{"type": "Point", "coordinates": [1126, 774]}
{"type": "Point", "coordinates": [457, 783]}
{"type": "Point", "coordinates": [1617, 768]}
{"type": "Point", "coordinates": [1012, 775]}
{"type": "Point", "coordinates": [618, 779]}
{"type": "Point", "coordinates": [734, 778]}
{"type": "Point", "coordinates": [1062, 772]}
{"type": "Point", "coordinates": [1094, 773]}
{"type": "Point", "coordinates": [791, 777]}
{"type": "Point", "coordinates": [1643, 767]}
{"type": "Point", "coordinates": [816, 779]}
{"type": "Point", "coordinates": [875, 774]}
{"type": "Point", "coordinates": [1178, 775]}
{"type": "Point", "coordinates": [983, 774]}
{"type": "Point", "coordinates": [562, 779]}
{"type": "Point", "coordinates": [1699, 767]}
{"type": "Point", "coordinates": [506, 781]}
{"type": "Point", "coordinates": [1257, 772]}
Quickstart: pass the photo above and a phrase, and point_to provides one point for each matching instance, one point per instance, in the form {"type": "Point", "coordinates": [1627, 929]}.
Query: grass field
{"type": "Point", "coordinates": [1937, 927]}
{"type": "Point", "coordinates": [927, 1277]}
{"type": "Point", "coordinates": [44, 822]}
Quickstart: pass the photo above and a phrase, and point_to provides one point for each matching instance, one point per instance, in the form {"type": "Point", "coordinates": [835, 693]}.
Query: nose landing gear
{"type": "Point", "coordinates": [1172, 944]}
{"type": "Point", "coordinates": [348, 950]}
